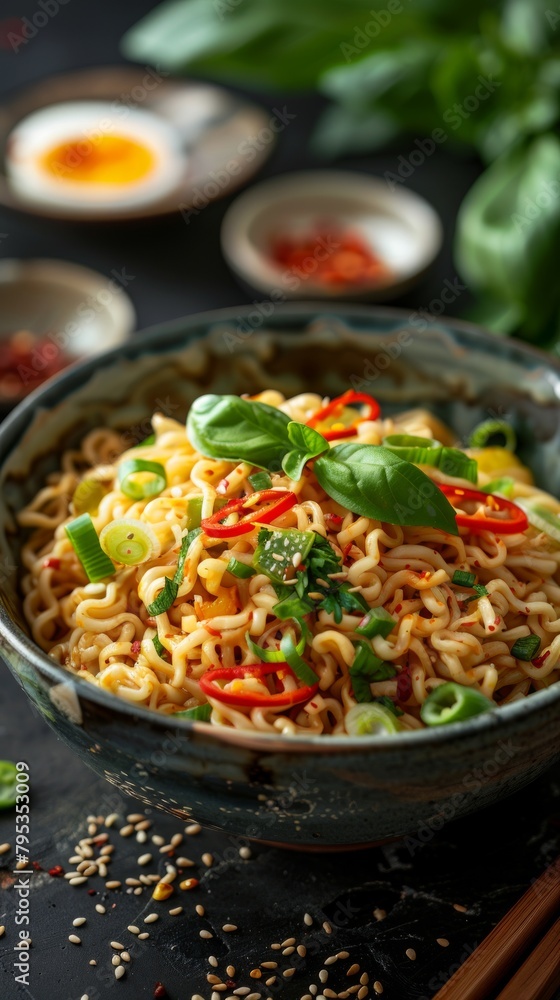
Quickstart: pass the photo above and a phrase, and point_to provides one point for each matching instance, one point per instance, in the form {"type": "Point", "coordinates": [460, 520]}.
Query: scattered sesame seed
{"type": "Point", "coordinates": [207, 859]}
{"type": "Point", "coordinates": [92, 870]}
{"type": "Point", "coordinates": [75, 859]}
{"type": "Point", "coordinates": [313, 989]}
{"type": "Point", "coordinates": [307, 919]}
{"type": "Point", "coordinates": [120, 971]}
{"type": "Point", "coordinates": [364, 979]}
{"type": "Point", "coordinates": [269, 965]}
{"type": "Point", "coordinates": [74, 939]}
{"type": "Point", "coordinates": [331, 960]}
{"type": "Point", "coordinates": [411, 954]}
{"type": "Point", "coordinates": [175, 911]}
{"type": "Point", "coordinates": [459, 907]}
{"type": "Point", "coordinates": [77, 880]}
{"type": "Point", "coordinates": [135, 818]}
{"type": "Point", "coordinates": [229, 928]}
{"type": "Point", "coordinates": [113, 884]}
{"type": "Point", "coordinates": [2, 930]}
{"type": "Point", "coordinates": [200, 910]}
{"type": "Point", "coordinates": [206, 935]}
{"type": "Point", "coordinates": [111, 820]}
{"type": "Point", "coordinates": [78, 921]}
{"type": "Point", "coordinates": [301, 950]}
{"type": "Point", "coordinates": [288, 951]}
{"type": "Point", "coordinates": [4, 848]}
{"type": "Point", "coordinates": [230, 971]}
{"type": "Point", "coordinates": [306, 996]}
{"type": "Point", "coordinates": [126, 831]}
{"type": "Point", "coordinates": [255, 974]}
{"type": "Point", "coordinates": [288, 973]}
{"type": "Point", "coordinates": [92, 961]}
{"type": "Point", "coordinates": [253, 996]}
{"type": "Point", "coordinates": [197, 996]}
{"type": "Point", "coordinates": [133, 929]}
{"type": "Point", "coordinates": [116, 960]}
{"type": "Point", "coordinates": [125, 956]}
{"type": "Point", "coordinates": [245, 853]}
{"type": "Point", "coordinates": [343, 954]}
{"type": "Point", "coordinates": [323, 975]}
{"type": "Point", "coordinates": [141, 837]}
{"type": "Point", "coordinates": [329, 993]}
{"type": "Point", "coordinates": [271, 981]}
{"type": "Point", "coordinates": [288, 942]}
{"type": "Point", "coordinates": [379, 914]}
{"type": "Point", "coordinates": [276, 946]}
{"type": "Point", "coordinates": [144, 859]}
{"type": "Point", "coordinates": [157, 840]}
{"type": "Point", "coordinates": [143, 825]}
{"type": "Point", "coordinates": [363, 993]}
{"type": "Point", "coordinates": [443, 942]}
{"type": "Point", "coordinates": [151, 918]}
{"type": "Point", "coordinates": [117, 946]}
{"type": "Point", "coordinates": [143, 936]}
{"type": "Point", "coordinates": [327, 927]}
{"type": "Point", "coordinates": [193, 829]}
{"type": "Point", "coordinates": [242, 991]}
{"type": "Point", "coordinates": [137, 892]}
{"type": "Point", "coordinates": [213, 961]}
{"type": "Point", "coordinates": [185, 863]}
{"type": "Point", "coordinates": [212, 979]}
{"type": "Point", "coordinates": [176, 839]}
{"type": "Point", "coordinates": [354, 969]}
{"type": "Point", "coordinates": [132, 881]}
{"type": "Point", "coordinates": [378, 987]}
{"type": "Point", "coordinates": [85, 997]}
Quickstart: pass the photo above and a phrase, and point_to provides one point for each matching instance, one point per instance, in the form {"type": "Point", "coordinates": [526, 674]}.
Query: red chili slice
{"type": "Point", "coordinates": [251, 699]}
{"type": "Point", "coordinates": [336, 406]}
{"type": "Point", "coordinates": [276, 502]}
{"type": "Point", "coordinates": [478, 522]}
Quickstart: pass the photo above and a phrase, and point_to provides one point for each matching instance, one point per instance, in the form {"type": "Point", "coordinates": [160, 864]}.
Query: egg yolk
{"type": "Point", "coordinates": [108, 159]}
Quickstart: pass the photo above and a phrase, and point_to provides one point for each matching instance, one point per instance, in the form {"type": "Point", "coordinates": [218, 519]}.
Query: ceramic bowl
{"type": "Point", "coordinates": [318, 792]}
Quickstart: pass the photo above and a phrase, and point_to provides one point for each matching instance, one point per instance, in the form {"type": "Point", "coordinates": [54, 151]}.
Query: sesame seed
{"type": "Point", "coordinates": [78, 922]}
{"type": "Point", "coordinates": [213, 961]}
{"type": "Point", "coordinates": [253, 996]}
{"type": "Point", "coordinates": [2, 930]}
{"type": "Point", "coordinates": [84, 997]}
{"type": "Point", "coordinates": [329, 993]}
{"type": "Point", "coordinates": [74, 939]}
{"type": "Point", "coordinates": [113, 884]}
{"type": "Point", "coordinates": [206, 935]}
{"type": "Point", "coordinates": [313, 989]}
{"type": "Point", "coordinates": [353, 970]}
{"type": "Point", "coordinates": [4, 848]}
{"type": "Point", "coordinates": [102, 869]}
{"type": "Point", "coordinates": [379, 914]}
{"type": "Point", "coordinates": [323, 975]}
{"type": "Point", "coordinates": [197, 996]}
{"type": "Point", "coordinates": [111, 820]}
{"type": "Point", "coordinates": [327, 927]}
{"type": "Point", "coordinates": [343, 954]}
{"type": "Point", "coordinates": [135, 818]}
{"type": "Point", "coordinates": [200, 910]}
{"type": "Point", "coordinates": [443, 942]}
{"type": "Point", "coordinates": [207, 859]}
{"type": "Point", "coordinates": [331, 960]}
{"type": "Point", "coordinates": [229, 928]}
{"type": "Point", "coordinates": [185, 863]}
{"type": "Point", "coordinates": [364, 978]}
{"type": "Point", "coordinates": [143, 936]}
{"type": "Point", "coordinates": [211, 978]}
{"type": "Point", "coordinates": [230, 971]}
{"type": "Point", "coordinates": [242, 991]}
{"type": "Point", "coordinates": [92, 870]}
{"type": "Point", "coordinates": [269, 965]}
{"type": "Point", "coordinates": [82, 866]}
{"type": "Point", "coordinates": [144, 859]}
{"type": "Point", "coordinates": [144, 824]}
{"type": "Point", "coordinates": [107, 849]}
{"type": "Point", "coordinates": [301, 950]}
{"type": "Point", "coordinates": [75, 859]}
{"type": "Point", "coordinates": [141, 837]}
{"type": "Point", "coordinates": [411, 954]}
{"type": "Point", "coordinates": [378, 987]}
{"type": "Point", "coordinates": [176, 839]}
{"type": "Point", "coordinates": [288, 973]}
{"type": "Point", "coordinates": [119, 972]}
{"type": "Point", "coordinates": [157, 840]}
{"type": "Point", "coordinates": [459, 907]}
{"type": "Point", "coordinates": [132, 881]}
{"type": "Point", "coordinates": [137, 892]}
{"type": "Point", "coordinates": [245, 853]}
{"type": "Point", "coordinates": [151, 918]}
{"type": "Point", "coordinates": [271, 981]}
{"type": "Point", "coordinates": [117, 946]}
{"type": "Point", "coordinates": [288, 942]}
{"type": "Point", "coordinates": [92, 961]}
{"type": "Point", "coordinates": [307, 919]}
{"type": "Point", "coordinates": [276, 947]}
{"type": "Point", "coordinates": [126, 831]}
{"type": "Point", "coordinates": [165, 849]}
{"type": "Point", "coordinates": [92, 829]}
{"type": "Point", "coordinates": [193, 829]}
{"type": "Point", "coordinates": [125, 956]}
{"type": "Point", "coordinates": [363, 993]}
{"type": "Point", "coordinates": [288, 951]}
{"type": "Point", "coordinates": [175, 911]}
{"type": "Point", "coordinates": [77, 880]}
{"type": "Point", "coordinates": [133, 929]}
{"type": "Point", "coordinates": [116, 960]}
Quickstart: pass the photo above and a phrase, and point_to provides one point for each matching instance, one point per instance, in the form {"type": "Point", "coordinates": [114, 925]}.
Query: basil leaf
{"type": "Point", "coordinates": [371, 480]}
{"type": "Point", "coordinates": [237, 430]}
{"type": "Point", "coordinates": [308, 443]}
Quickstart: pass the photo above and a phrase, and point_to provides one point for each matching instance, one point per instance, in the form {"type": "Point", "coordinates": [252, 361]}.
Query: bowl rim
{"type": "Point", "coordinates": [495, 720]}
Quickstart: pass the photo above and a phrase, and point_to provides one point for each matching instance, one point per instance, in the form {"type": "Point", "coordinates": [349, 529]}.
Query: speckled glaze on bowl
{"type": "Point", "coordinates": [315, 792]}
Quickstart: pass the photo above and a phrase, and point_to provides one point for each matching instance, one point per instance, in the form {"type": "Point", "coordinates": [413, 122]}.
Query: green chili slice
{"type": "Point", "coordinates": [240, 569]}
{"type": "Point", "coordinates": [451, 702]}
{"type": "Point", "coordinates": [484, 435]}
{"type": "Point", "coordinates": [376, 622]}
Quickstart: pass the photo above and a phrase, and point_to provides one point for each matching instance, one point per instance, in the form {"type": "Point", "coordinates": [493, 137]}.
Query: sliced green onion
{"type": "Point", "coordinates": [453, 702]}
{"type": "Point", "coordinates": [144, 488]}
{"type": "Point", "coordinates": [526, 648]}
{"type": "Point", "coordinates": [389, 704]}
{"type": "Point", "coordinates": [201, 713]}
{"type": "Point", "coordinates": [129, 541]}
{"type": "Point", "coordinates": [371, 720]}
{"type": "Point", "coordinates": [489, 429]}
{"type": "Point", "coordinates": [272, 655]}
{"type": "Point", "coordinates": [165, 598]}
{"type": "Point", "coordinates": [8, 784]}
{"type": "Point", "coordinates": [240, 569]}
{"type": "Point", "coordinates": [291, 656]}
{"type": "Point", "coordinates": [159, 647]}
{"type": "Point", "coordinates": [504, 486]}
{"type": "Point", "coordinates": [293, 607]}
{"type": "Point", "coordinates": [423, 451]}
{"type": "Point", "coordinates": [479, 591]}
{"type": "Point", "coordinates": [462, 578]}
{"type": "Point", "coordinates": [367, 668]}
{"type": "Point", "coordinates": [194, 512]}
{"type": "Point", "coordinates": [260, 481]}
{"type": "Point", "coordinates": [147, 441]}
{"type": "Point", "coordinates": [277, 549]}
{"type": "Point", "coordinates": [87, 496]}
{"type": "Point", "coordinates": [376, 622]}
{"type": "Point", "coordinates": [85, 542]}
{"type": "Point", "coordinates": [541, 518]}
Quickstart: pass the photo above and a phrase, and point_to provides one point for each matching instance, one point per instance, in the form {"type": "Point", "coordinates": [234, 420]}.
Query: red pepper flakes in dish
{"type": "Point", "coordinates": [339, 257]}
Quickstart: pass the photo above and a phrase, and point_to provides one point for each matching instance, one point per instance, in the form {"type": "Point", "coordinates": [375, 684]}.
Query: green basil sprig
{"type": "Point", "coordinates": [366, 479]}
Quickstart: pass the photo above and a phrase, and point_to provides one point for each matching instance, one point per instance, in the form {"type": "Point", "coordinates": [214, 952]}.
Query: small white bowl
{"type": "Point", "coordinates": [399, 226]}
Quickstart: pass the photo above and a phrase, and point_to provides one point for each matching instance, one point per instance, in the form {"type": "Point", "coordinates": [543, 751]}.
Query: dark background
{"type": "Point", "coordinates": [484, 862]}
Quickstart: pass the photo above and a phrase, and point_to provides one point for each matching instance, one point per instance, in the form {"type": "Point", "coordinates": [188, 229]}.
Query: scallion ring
{"type": "Point", "coordinates": [151, 483]}
{"type": "Point", "coordinates": [485, 434]}
{"type": "Point", "coordinates": [129, 541]}
{"type": "Point", "coordinates": [371, 719]}
{"type": "Point", "coordinates": [85, 542]}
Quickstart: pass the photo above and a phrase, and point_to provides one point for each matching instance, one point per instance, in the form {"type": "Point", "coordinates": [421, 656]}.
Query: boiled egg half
{"type": "Point", "coordinates": [94, 157]}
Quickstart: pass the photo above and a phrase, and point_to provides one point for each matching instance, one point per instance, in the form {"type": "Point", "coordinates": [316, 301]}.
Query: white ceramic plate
{"type": "Point", "coordinates": [400, 227]}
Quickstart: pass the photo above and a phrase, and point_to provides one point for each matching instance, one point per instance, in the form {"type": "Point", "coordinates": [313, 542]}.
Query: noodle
{"type": "Point", "coordinates": [103, 632]}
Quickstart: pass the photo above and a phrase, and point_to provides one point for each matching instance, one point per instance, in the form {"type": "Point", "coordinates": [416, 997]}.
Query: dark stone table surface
{"type": "Point", "coordinates": [483, 863]}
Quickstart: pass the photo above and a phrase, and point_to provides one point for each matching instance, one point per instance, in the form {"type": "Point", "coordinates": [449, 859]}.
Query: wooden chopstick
{"type": "Point", "coordinates": [508, 942]}
{"type": "Point", "coordinates": [539, 976]}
